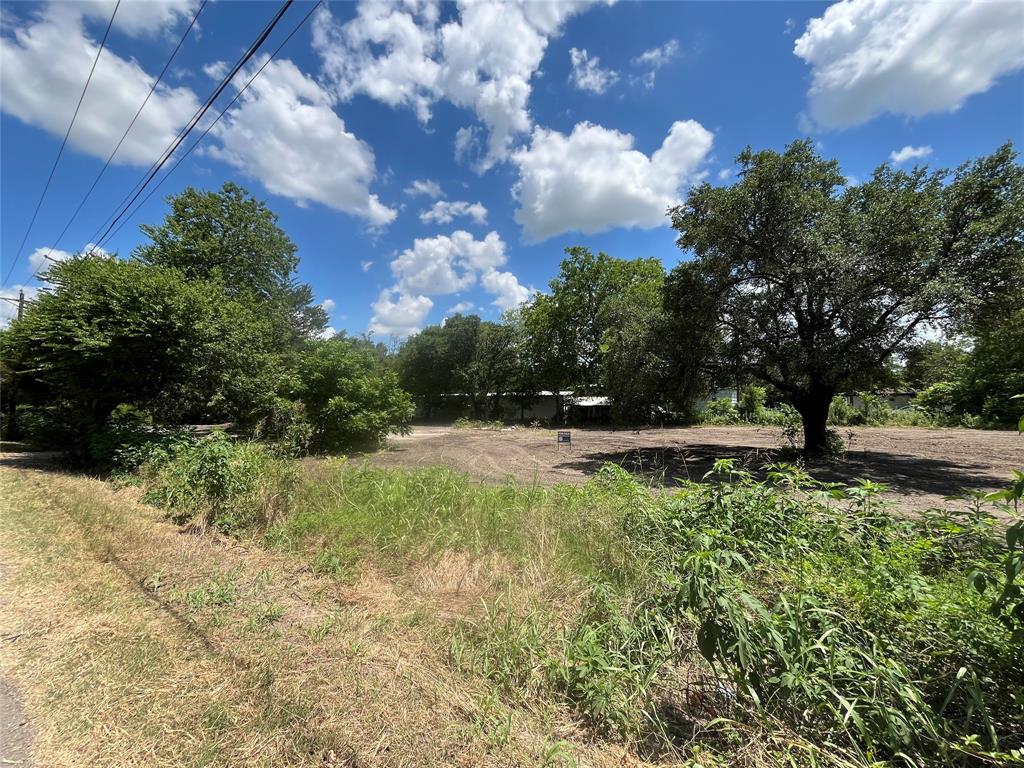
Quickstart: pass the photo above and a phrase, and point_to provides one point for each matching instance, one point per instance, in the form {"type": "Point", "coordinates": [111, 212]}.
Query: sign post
{"type": "Point", "coordinates": [564, 438]}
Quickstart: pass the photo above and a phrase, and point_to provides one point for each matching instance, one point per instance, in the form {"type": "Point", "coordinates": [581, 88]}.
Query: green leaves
{"type": "Point", "coordinates": [231, 238]}
{"type": "Point", "coordinates": [812, 284]}
{"type": "Point", "coordinates": [351, 399]}
{"type": "Point", "coordinates": [119, 333]}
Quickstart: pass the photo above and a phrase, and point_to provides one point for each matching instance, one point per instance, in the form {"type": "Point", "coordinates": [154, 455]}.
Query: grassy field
{"type": "Point", "coordinates": [332, 613]}
{"type": "Point", "coordinates": [134, 643]}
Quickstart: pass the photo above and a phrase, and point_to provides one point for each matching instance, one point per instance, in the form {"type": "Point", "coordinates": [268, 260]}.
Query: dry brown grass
{"type": "Point", "coordinates": [137, 644]}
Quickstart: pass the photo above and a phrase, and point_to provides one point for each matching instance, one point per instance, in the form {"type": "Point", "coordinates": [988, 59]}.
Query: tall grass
{"type": "Point", "coordinates": [346, 511]}
{"type": "Point", "coordinates": [784, 601]}
{"type": "Point", "coordinates": [670, 620]}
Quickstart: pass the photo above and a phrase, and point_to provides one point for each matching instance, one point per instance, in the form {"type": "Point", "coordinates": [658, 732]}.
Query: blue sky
{"type": "Point", "coordinates": [428, 157]}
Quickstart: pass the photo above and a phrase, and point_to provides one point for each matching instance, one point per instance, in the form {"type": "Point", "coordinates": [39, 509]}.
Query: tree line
{"type": "Point", "coordinates": [798, 280]}
{"type": "Point", "coordinates": [792, 278]}
{"type": "Point", "coordinates": [206, 323]}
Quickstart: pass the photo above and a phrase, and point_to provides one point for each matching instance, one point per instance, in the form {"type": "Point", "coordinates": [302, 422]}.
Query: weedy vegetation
{"type": "Point", "coordinates": [796, 615]}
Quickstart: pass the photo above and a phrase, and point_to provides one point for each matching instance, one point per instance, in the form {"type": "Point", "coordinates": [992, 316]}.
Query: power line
{"type": "Point", "coordinates": [60, 151]}
{"type": "Point", "coordinates": [167, 150]}
{"type": "Point", "coordinates": [216, 120]}
{"type": "Point", "coordinates": [197, 117]}
{"type": "Point", "coordinates": [127, 130]}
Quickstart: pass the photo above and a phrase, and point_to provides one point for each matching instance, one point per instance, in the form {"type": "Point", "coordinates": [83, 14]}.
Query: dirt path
{"type": "Point", "coordinates": [921, 466]}
{"type": "Point", "coordinates": [15, 731]}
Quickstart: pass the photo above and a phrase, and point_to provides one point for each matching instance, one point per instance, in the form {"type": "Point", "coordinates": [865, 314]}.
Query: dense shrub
{"type": "Point", "coordinates": [114, 332]}
{"type": "Point", "coordinates": [720, 411]}
{"type": "Point", "coordinates": [808, 603]}
{"type": "Point", "coordinates": [464, 422]}
{"type": "Point", "coordinates": [350, 399]}
{"type": "Point", "coordinates": [123, 450]}
{"type": "Point", "coordinates": [42, 426]}
{"type": "Point", "coordinates": [751, 402]}
{"type": "Point", "coordinates": [233, 486]}
{"type": "Point", "coordinates": [286, 426]}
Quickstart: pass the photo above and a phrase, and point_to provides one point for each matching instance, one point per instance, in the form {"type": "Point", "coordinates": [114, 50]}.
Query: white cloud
{"type": "Point", "coordinates": [365, 265]}
{"type": "Point", "coordinates": [9, 309]}
{"type": "Point", "coordinates": [425, 188]}
{"type": "Point", "coordinates": [216, 70]}
{"type": "Point", "coordinates": [653, 60]}
{"type": "Point", "coordinates": [587, 74]}
{"type": "Point", "coordinates": [399, 53]}
{"type": "Point", "coordinates": [468, 144]}
{"type": "Point", "coordinates": [656, 58]}
{"type": "Point", "coordinates": [284, 133]}
{"type": "Point", "coordinates": [444, 212]}
{"type": "Point", "coordinates": [141, 17]}
{"type": "Point", "coordinates": [725, 174]}
{"type": "Point", "coordinates": [507, 288]}
{"type": "Point", "coordinates": [594, 179]}
{"type": "Point", "coordinates": [42, 257]}
{"type": "Point", "coordinates": [329, 306]}
{"type": "Point", "coordinates": [789, 26]}
{"type": "Point", "coordinates": [328, 333]}
{"type": "Point", "coordinates": [443, 264]}
{"type": "Point", "coordinates": [871, 57]}
{"type": "Point", "coordinates": [45, 63]}
{"type": "Point", "coordinates": [401, 317]}
{"type": "Point", "coordinates": [909, 153]}
{"type": "Point", "coordinates": [462, 306]}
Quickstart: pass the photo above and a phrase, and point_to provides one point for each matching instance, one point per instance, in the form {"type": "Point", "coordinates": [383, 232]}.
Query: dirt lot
{"type": "Point", "coordinates": [921, 466]}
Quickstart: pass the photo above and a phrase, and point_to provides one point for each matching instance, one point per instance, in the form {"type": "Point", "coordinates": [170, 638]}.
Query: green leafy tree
{"type": "Point", "coordinates": [817, 283]}
{"type": "Point", "coordinates": [932, 362]}
{"type": "Point", "coordinates": [351, 399]}
{"type": "Point", "coordinates": [993, 372]}
{"type": "Point", "coordinates": [423, 369]}
{"type": "Point", "coordinates": [232, 238]}
{"type": "Point", "coordinates": [437, 362]}
{"type": "Point", "coordinates": [494, 371]}
{"type": "Point", "coordinates": [115, 333]}
{"type": "Point", "coordinates": [592, 293]}
{"type": "Point", "coordinates": [635, 371]}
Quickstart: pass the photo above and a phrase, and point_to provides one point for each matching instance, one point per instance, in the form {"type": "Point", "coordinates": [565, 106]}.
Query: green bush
{"type": "Point", "coordinates": [233, 486]}
{"type": "Point", "coordinates": [808, 603]}
{"type": "Point", "coordinates": [286, 426]}
{"type": "Point", "coordinates": [123, 450]}
{"type": "Point", "coordinates": [720, 411]}
{"type": "Point", "coordinates": [784, 415]}
{"type": "Point", "coordinates": [751, 402]}
{"type": "Point", "coordinates": [351, 400]}
{"type": "Point", "coordinates": [42, 426]}
{"type": "Point", "coordinates": [842, 414]}
{"type": "Point", "coordinates": [464, 422]}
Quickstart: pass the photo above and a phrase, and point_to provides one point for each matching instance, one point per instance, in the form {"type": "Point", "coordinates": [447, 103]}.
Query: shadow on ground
{"type": "Point", "coordinates": [671, 466]}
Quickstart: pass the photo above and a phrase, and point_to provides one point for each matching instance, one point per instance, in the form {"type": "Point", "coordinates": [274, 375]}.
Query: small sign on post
{"type": "Point", "coordinates": [564, 438]}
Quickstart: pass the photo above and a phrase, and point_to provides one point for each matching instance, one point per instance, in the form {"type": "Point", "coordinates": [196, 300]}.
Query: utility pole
{"type": "Point", "coordinates": [21, 302]}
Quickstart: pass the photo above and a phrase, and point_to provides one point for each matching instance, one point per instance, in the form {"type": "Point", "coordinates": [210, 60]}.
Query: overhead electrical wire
{"type": "Point", "coordinates": [183, 134]}
{"type": "Point", "coordinates": [127, 130]}
{"type": "Point", "coordinates": [63, 144]}
{"type": "Point", "coordinates": [216, 120]}
{"type": "Point", "coordinates": [167, 149]}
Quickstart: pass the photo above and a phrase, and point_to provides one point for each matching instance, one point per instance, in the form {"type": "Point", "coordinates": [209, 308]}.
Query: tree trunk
{"type": "Point", "coordinates": [813, 408]}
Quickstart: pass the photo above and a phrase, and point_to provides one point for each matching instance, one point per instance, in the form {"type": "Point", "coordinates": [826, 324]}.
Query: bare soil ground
{"type": "Point", "coordinates": [920, 466]}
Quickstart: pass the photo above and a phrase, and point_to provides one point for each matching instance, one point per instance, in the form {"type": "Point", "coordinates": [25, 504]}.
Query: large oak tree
{"type": "Point", "coordinates": [816, 282]}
